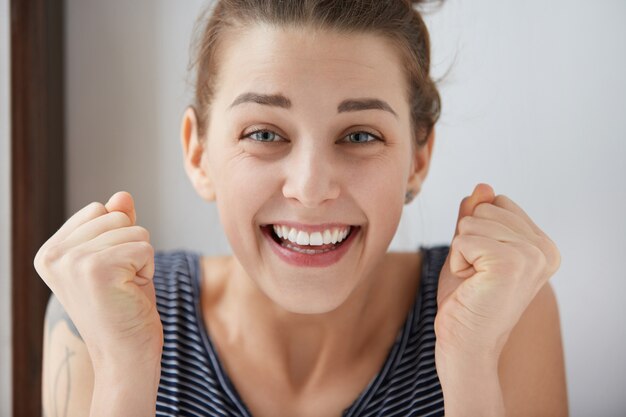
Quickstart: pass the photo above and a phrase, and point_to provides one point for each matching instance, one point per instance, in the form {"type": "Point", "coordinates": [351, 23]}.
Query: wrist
{"type": "Point", "coordinates": [467, 362]}
{"type": "Point", "coordinates": [470, 384]}
{"type": "Point", "coordinates": [122, 358]}
{"type": "Point", "coordinates": [125, 391]}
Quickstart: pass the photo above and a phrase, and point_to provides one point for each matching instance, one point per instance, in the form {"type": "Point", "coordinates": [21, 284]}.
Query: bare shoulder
{"type": "Point", "coordinates": [531, 367]}
{"type": "Point", "coordinates": [214, 275]}
{"type": "Point", "coordinates": [404, 263]}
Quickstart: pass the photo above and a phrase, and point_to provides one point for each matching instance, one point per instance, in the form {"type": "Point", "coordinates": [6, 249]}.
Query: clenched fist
{"type": "Point", "coordinates": [498, 261]}
{"type": "Point", "coordinates": [100, 266]}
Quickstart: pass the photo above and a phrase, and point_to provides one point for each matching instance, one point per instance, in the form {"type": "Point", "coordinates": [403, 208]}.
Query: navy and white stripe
{"type": "Point", "coordinates": [193, 382]}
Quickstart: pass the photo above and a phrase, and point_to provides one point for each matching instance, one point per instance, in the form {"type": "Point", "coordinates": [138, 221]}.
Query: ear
{"type": "Point", "coordinates": [194, 154]}
{"type": "Point", "coordinates": [420, 163]}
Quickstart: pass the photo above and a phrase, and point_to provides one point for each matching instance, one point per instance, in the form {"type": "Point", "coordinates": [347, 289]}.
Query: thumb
{"type": "Point", "coordinates": [483, 193]}
{"type": "Point", "coordinates": [449, 280]}
{"type": "Point", "coordinates": [456, 268]}
{"type": "Point", "coordinates": [458, 265]}
{"type": "Point", "coordinates": [122, 201]}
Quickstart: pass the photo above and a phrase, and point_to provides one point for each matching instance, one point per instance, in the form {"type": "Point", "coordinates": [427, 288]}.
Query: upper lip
{"type": "Point", "coordinates": [309, 228]}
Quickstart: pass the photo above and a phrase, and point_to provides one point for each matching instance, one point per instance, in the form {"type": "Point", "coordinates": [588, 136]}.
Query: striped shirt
{"type": "Point", "coordinates": [194, 383]}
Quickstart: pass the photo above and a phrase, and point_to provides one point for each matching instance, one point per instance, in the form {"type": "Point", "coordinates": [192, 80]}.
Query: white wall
{"type": "Point", "coordinates": [5, 213]}
{"type": "Point", "coordinates": [125, 96]}
{"type": "Point", "coordinates": [533, 106]}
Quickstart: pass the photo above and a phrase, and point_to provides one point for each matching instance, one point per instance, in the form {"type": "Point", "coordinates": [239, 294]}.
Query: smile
{"type": "Point", "coordinates": [316, 249]}
{"type": "Point", "coordinates": [319, 238]}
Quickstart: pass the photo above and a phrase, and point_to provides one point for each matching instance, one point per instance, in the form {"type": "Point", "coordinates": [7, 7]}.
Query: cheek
{"type": "Point", "coordinates": [249, 184]}
{"type": "Point", "coordinates": [380, 183]}
{"type": "Point", "coordinates": [383, 201]}
{"type": "Point", "coordinates": [243, 186]}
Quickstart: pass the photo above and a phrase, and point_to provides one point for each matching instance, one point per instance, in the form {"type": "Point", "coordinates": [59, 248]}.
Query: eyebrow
{"type": "Point", "coordinates": [348, 105]}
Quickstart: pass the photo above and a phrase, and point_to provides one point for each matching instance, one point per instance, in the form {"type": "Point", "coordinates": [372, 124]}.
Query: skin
{"type": "Point", "coordinates": [67, 379]}
{"type": "Point", "coordinates": [298, 320]}
{"type": "Point", "coordinates": [93, 351]}
{"type": "Point", "coordinates": [313, 339]}
{"type": "Point", "coordinates": [497, 322]}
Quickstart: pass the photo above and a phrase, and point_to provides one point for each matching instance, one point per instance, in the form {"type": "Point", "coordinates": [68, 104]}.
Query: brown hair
{"type": "Point", "coordinates": [396, 20]}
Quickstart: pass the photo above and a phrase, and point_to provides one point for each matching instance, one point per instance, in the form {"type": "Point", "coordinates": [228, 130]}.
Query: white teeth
{"type": "Point", "coordinates": [316, 239]}
{"type": "Point", "coordinates": [327, 237]}
{"type": "Point", "coordinates": [313, 239]}
{"type": "Point", "coordinates": [303, 238]}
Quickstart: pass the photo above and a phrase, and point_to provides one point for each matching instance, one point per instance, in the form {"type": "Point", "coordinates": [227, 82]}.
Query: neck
{"type": "Point", "coordinates": [303, 347]}
{"type": "Point", "coordinates": [307, 348]}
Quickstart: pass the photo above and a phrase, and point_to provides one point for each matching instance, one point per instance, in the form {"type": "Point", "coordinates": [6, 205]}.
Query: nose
{"type": "Point", "coordinates": [310, 176]}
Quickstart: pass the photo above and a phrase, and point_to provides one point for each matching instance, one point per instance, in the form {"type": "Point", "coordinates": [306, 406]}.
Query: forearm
{"type": "Point", "coordinates": [125, 391]}
{"type": "Point", "coordinates": [470, 385]}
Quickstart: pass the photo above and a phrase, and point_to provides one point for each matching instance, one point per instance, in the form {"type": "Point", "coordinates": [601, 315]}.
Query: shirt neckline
{"type": "Point", "coordinates": [393, 356]}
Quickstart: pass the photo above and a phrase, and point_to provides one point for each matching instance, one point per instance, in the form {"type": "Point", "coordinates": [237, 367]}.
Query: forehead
{"type": "Point", "coordinates": [321, 62]}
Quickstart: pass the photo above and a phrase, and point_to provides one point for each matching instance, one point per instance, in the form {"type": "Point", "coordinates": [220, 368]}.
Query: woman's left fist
{"type": "Point", "coordinates": [498, 261]}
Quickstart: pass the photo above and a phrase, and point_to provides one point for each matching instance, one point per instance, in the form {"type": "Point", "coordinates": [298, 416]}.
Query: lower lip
{"type": "Point", "coordinates": [314, 260]}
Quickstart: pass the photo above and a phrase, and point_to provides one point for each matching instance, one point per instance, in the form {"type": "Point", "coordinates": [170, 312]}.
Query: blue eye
{"type": "Point", "coordinates": [361, 137]}
{"type": "Point", "coordinates": [265, 135]}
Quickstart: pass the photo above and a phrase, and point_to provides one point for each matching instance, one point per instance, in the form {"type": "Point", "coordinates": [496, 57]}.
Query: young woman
{"type": "Point", "coordinates": [313, 125]}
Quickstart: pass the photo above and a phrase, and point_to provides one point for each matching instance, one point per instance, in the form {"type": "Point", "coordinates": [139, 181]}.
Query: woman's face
{"type": "Point", "coordinates": [316, 159]}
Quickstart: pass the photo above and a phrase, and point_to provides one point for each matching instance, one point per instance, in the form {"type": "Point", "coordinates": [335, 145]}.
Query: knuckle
{"type": "Point", "coordinates": [73, 256]}
{"type": "Point", "coordinates": [91, 211]}
{"type": "Point", "coordinates": [45, 256]}
{"type": "Point", "coordinates": [146, 248]}
{"type": "Point", "coordinates": [38, 261]}
{"type": "Point", "coordinates": [120, 219]}
{"type": "Point", "coordinates": [482, 209]}
{"type": "Point", "coordinates": [500, 200]}
{"type": "Point", "coordinates": [545, 242]}
{"type": "Point", "coordinates": [146, 245]}
{"type": "Point", "coordinates": [537, 250]}
{"type": "Point", "coordinates": [465, 224]}
{"type": "Point", "coordinates": [552, 252]}
{"type": "Point", "coordinates": [96, 207]}
{"type": "Point", "coordinates": [535, 257]}
{"type": "Point", "coordinates": [143, 232]}
{"type": "Point", "coordinates": [456, 243]}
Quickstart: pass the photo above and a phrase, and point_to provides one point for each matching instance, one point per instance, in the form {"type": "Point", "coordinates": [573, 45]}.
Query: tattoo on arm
{"type": "Point", "coordinates": [65, 365]}
{"type": "Point", "coordinates": [57, 313]}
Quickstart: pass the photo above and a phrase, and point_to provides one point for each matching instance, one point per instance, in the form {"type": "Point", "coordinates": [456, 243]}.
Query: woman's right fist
{"type": "Point", "coordinates": [100, 266]}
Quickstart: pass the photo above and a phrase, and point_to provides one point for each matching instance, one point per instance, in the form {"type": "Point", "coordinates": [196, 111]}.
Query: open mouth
{"type": "Point", "coordinates": [308, 249]}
